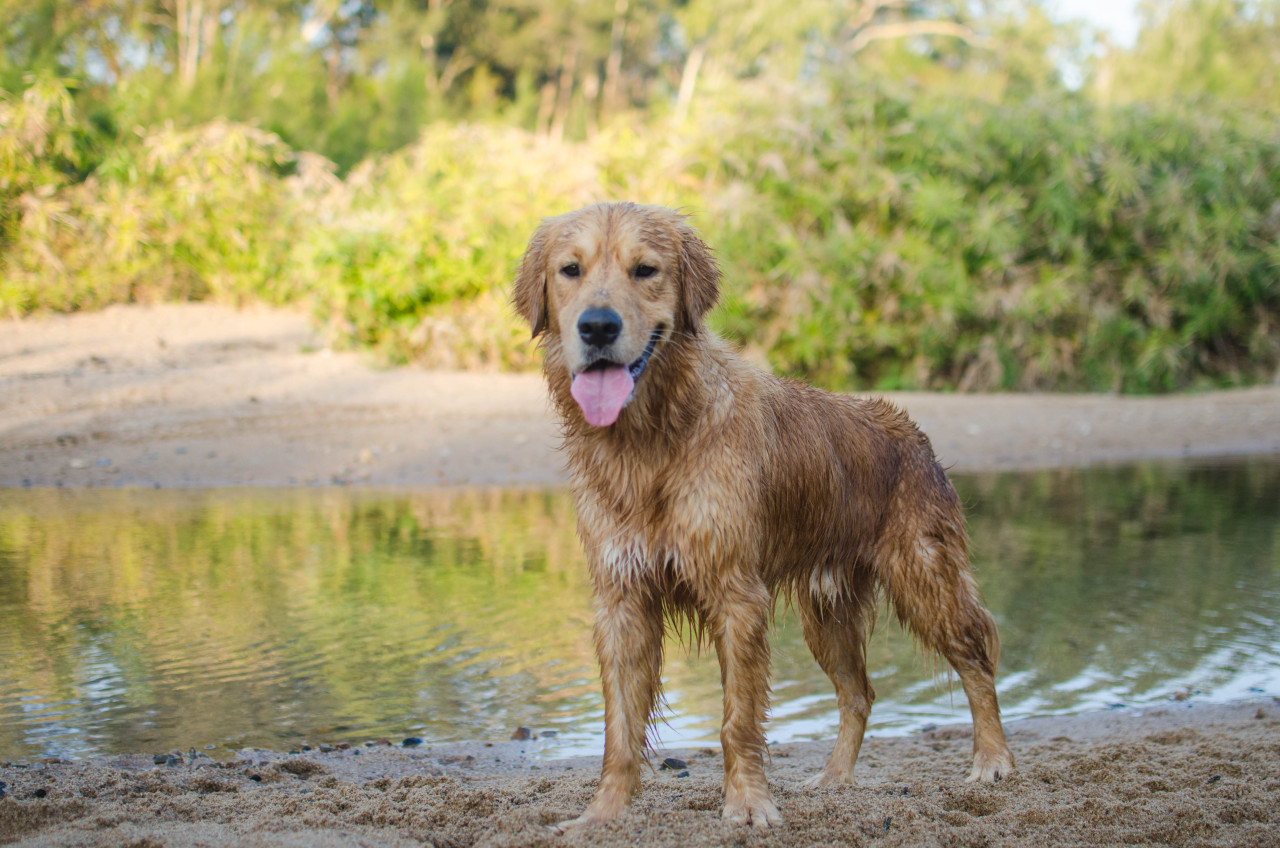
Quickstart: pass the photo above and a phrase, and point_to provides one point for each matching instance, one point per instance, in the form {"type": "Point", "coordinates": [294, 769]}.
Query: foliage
{"type": "Point", "coordinates": [873, 236]}
{"type": "Point", "coordinates": [38, 148]}
{"type": "Point", "coordinates": [903, 195]}
{"type": "Point", "coordinates": [182, 214]}
{"type": "Point", "coordinates": [413, 251]}
{"type": "Point", "coordinates": [354, 78]}
{"type": "Point", "coordinates": [1227, 49]}
{"type": "Point", "coordinates": [918, 242]}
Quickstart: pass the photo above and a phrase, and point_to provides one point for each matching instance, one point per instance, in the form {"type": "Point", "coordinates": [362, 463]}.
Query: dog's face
{"type": "Point", "coordinates": [611, 284]}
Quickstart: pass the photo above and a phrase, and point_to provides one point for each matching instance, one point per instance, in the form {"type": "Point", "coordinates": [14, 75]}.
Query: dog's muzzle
{"type": "Point", "coordinates": [605, 387]}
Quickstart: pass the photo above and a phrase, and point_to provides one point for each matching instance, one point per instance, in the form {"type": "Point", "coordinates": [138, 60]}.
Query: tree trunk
{"type": "Point", "coordinates": [188, 24]}
{"type": "Point", "coordinates": [613, 67]}
{"type": "Point", "coordinates": [546, 103]}
{"type": "Point", "coordinates": [688, 80]}
{"type": "Point", "coordinates": [564, 97]}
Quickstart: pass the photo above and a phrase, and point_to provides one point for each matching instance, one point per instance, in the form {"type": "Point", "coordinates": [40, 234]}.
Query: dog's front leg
{"type": "Point", "coordinates": [740, 624]}
{"type": "Point", "coordinates": [628, 637]}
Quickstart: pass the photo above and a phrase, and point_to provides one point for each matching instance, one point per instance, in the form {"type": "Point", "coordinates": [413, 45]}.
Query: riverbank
{"type": "Point", "coordinates": [204, 395]}
{"type": "Point", "coordinates": [1188, 774]}
{"type": "Point", "coordinates": [198, 395]}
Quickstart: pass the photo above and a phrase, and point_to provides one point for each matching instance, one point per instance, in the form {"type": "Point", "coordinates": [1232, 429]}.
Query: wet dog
{"type": "Point", "coordinates": [707, 488]}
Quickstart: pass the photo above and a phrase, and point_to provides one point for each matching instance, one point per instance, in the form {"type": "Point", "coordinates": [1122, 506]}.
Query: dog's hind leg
{"type": "Point", "coordinates": [933, 593]}
{"type": "Point", "coordinates": [836, 630]}
{"type": "Point", "coordinates": [628, 636]}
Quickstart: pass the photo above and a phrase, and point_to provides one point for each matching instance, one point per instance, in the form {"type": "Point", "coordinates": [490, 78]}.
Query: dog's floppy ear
{"type": "Point", "coordinates": [699, 279]}
{"type": "Point", "coordinates": [530, 295]}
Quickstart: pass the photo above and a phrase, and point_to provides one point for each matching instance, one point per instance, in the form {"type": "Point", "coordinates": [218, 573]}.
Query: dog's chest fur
{"type": "Point", "coordinates": [685, 530]}
{"type": "Point", "coordinates": [685, 511]}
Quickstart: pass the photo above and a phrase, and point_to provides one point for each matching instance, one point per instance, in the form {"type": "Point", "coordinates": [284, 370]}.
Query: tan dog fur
{"type": "Point", "coordinates": [720, 488]}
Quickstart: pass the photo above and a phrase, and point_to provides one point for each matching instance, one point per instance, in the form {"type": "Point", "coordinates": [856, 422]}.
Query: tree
{"type": "Point", "coordinates": [1189, 48]}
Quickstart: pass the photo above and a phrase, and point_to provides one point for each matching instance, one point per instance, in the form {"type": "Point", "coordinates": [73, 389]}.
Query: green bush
{"type": "Point", "coordinates": [187, 215]}
{"type": "Point", "coordinates": [872, 238]}
{"type": "Point", "coordinates": [412, 253]}
{"type": "Point", "coordinates": [903, 242]}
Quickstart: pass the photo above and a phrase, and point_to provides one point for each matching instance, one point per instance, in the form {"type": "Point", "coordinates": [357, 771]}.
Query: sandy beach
{"type": "Point", "coordinates": [198, 395]}
{"type": "Point", "coordinates": [1185, 775]}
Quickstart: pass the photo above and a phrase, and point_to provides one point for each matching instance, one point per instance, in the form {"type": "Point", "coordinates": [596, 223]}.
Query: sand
{"type": "Point", "coordinates": [1186, 775]}
{"type": "Point", "coordinates": [202, 395]}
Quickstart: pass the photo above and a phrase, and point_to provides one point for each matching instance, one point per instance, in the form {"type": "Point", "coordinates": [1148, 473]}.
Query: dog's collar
{"type": "Point", "coordinates": [637, 368]}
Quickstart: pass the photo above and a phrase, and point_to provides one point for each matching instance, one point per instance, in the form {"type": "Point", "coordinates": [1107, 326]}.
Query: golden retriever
{"type": "Point", "coordinates": [705, 488]}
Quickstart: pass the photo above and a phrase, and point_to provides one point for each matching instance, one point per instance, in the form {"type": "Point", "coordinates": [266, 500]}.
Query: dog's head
{"type": "Point", "coordinates": [611, 284]}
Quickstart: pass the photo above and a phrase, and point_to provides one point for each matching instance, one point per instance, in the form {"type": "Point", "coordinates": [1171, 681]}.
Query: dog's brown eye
{"type": "Point", "coordinates": [644, 271]}
{"type": "Point", "coordinates": [571, 270]}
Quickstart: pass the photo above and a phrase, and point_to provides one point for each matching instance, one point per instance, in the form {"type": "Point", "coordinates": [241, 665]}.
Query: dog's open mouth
{"type": "Point", "coordinates": [604, 387]}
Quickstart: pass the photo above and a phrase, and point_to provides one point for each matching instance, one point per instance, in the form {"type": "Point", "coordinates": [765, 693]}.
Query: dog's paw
{"type": "Point", "coordinates": [603, 808]}
{"type": "Point", "coordinates": [990, 766]}
{"type": "Point", "coordinates": [823, 778]}
{"type": "Point", "coordinates": [758, 812]}
{"type": "Point", "coordinates": [586, 820]}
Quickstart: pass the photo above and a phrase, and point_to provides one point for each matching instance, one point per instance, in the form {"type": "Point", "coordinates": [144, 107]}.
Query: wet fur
{"type": "Point", "coordinates": [722, 487]}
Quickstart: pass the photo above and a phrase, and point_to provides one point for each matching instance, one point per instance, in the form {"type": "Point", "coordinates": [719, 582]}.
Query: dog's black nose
{"type": "Point", "coordinates": [599, 327]}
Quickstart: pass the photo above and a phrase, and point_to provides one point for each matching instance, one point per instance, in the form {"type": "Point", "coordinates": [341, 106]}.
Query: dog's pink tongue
{"type": "Point", "coordinates": [602, 392]}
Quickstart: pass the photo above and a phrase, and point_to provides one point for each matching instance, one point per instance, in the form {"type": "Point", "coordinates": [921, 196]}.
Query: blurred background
{"type": "Point", "coordinates": [903, 195]}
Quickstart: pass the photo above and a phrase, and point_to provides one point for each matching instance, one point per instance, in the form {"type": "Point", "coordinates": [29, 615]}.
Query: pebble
{"type": "Point", "coordinates": [41, 792]}
{"type": "Point", "coordinates": [521, 733]}
{"type": "Point", "coordinates": [411, 742]}
{"type": "Point", "coordinates": [674, 764]}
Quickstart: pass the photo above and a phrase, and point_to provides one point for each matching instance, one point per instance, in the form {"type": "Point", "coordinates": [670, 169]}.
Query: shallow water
{"type": "Point", "coordinates": [138, 620]}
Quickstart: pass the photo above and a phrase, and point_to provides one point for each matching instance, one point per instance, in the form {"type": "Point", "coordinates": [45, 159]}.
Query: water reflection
{"type": "Point", "coordinates": [144, 621]}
